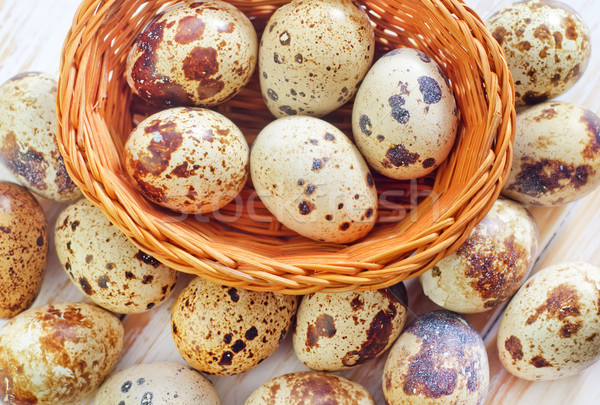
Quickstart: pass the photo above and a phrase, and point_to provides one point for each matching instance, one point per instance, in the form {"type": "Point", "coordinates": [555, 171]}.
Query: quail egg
{"type": "Point", "coordinates": [556, 158]}
{"type": "Point", "coordinates": [157, 383]}
{"type": "Point", "coordinates": [340, 330]}
{"type": "Point", "coordinates": [313, 55]}
{"type": "Point", "coordinates": [23, 248]}
{"type": "Point", "coordinates": [196, 53]}
{"type": "Point", "coordinates": [405, 117]}
{"type": "Point", "coordinates": [190, 160]}
{"type": "Point", "coordinates": [105, 265]}
{"type": "Point", "coordinates": [490, 266]}
{"type": "Point", "coordinates": [57, 354]}
{"type": "Point", "coordinates": [310, 387]}
{"type": "Point", "coordinates": [551, 328]}
{"type": "Point", "coordinates": [547, 47]}
{"type": "Point", "coordinates": [28, 146]}
{"type": "Point", "coordinates": [226, 330]}
{"type": "Point", "coordinates": [313, 180]}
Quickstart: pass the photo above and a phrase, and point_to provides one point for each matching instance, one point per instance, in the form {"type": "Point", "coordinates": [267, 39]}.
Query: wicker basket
{"type": "Point", "coordinates": [243, 245]}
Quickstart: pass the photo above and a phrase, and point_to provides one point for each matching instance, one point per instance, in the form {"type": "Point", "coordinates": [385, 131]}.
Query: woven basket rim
{"type": "Point", "coordinates": [91, 126]}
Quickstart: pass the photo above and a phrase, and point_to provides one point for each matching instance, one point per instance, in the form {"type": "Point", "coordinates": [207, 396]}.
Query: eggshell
{"type": "Point", "coordinates": [28, 145]}
{"type": "Point", "coordinates": [57, 353]}
{"type": "Point", "coordinates": [313, 55]}
{"type": "Point", "coordinates": [335, 331]}
{"type": "Point", "coordinates": [546, 44]}
{"type": "Point", "coordinates": [195, 53]}
{"type": "Point", "coordinates": [551, 328]}
{"type": "Point", "coordinates": [405, 117]}
{"type": "Point", "coordinates": [490, 266]}
{"type": "Point", "coordinates": [310, 387]}
{"type": "Point", "coordinates": [556, 158]}
{"type": "Point", "coordinates": [105, 265]}
{"type": "Point", "coordinates": [157, 383]}
{"type": "Point", "coordinates": [191, 160]}
{"type": "Point", "coordinates": [225, 330]}
{"type": "Point", "coordinates": [23, 248]}
{"type": "Point", "coordinates": [438, 359]}
{"type": "Point", "coordinates": [313, 180]}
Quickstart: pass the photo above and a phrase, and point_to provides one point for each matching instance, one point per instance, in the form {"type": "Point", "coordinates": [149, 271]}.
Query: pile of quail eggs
{"type": "Point", "coordinates": [313, 57]}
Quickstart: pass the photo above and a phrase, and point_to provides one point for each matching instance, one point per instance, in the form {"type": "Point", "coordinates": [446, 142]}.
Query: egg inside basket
{"type": "Point", "coordinates": [242, 244]}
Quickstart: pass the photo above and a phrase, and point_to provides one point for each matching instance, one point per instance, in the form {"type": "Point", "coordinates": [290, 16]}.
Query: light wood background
{"type": "Point", "coordinates": [31, 35]}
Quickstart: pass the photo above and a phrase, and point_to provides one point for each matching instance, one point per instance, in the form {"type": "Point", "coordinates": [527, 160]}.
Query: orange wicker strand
{"type": "Point", "coordinates": [243, 245]}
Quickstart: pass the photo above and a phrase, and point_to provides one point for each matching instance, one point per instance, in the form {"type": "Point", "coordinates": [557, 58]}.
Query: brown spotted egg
{"type": "Point", "coordinates": [195, 53]}
{"type": "Point", "coordinates": [551, 327]}
{"type": "Point", "coordinates": [57, 354]}
{"type": "Point", "coordinates": [313, 55]}
{"type": "Point", "coordinates": [28, 145]}
{"type": "Point", "coordinates": [23, 248]}
{"type": "Point", "coordinates": [547, 47]}
{"type": "Point", "coordinates": [190, 160]}
{"type": "Point", "coordinates": [313, 180]}
{"type": "Point", "coordinates": [490, 266]}
{"type": "Point", "coordinates": [105, 265]}
{"type": "Point", "coordinates": [225, 330]}
{"type": "Point", "coordinates": [405, 117]}
{"type": "Point", "coordinates": [310, 387]}
{"type": "Point", "coordinates": [556, 157]}
{"type": "Point", "coordinates": [157, 383]}
{"type": "Point", "coordinates": [438, 359]}
{"type": "Point", "coordinates": [335, 331]}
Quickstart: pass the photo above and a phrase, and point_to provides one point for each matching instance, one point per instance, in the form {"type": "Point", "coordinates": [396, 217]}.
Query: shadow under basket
{"type": "Point", "coordinates": [420, 222]}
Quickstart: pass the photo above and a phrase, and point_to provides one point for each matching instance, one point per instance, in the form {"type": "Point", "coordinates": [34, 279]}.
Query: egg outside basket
{"type": "Point", "coordinates": [243, 245]}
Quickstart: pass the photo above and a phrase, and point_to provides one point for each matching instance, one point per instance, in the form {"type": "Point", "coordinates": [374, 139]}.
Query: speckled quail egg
{"type": "Point", "coordinates": [225, 330]}
{"type": "Point", "coordinates": [556, 157]}
{"type": "Point", "coordinates": [438, 359]}
{"type": "Point", "coordinates": [547, 47]}
{"type": "Point", "coordinates": [313, 55]}
{"type": "Point", "coordinates": [105, 265]}
{"type": "Point", "coordinates": [313, 180]}
{"type": "Point", "coordinates": [28, 145]}
{"type": "Point", "coordinates": [310, 387]}
{"type": "Point", "coordinates": [190, 160]}
{"type": "Point", "coordinates": [23, 248]}
{"type": "Point", "coordinates": [157, 383]}
{"type": "Point", "coordinates": [335, 331]}
{"type": "Point", "coordinates": [490, 266]}
{"type": "Point", "coordinates": [198, 53]}
{"type": "Point", "coordinates": [405, 117]}
{"type": "Point", "coordinates": [57, 354]}
{"type": "Point", "coordinates": [551, 328]}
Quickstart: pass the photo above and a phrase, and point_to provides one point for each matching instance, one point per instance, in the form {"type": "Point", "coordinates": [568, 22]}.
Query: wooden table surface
{"type": "Point", "coordinates": [31, 36]}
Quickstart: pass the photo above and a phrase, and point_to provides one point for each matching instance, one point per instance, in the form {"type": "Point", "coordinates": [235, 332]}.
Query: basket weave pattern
{"type": "Point", "coordinates": [243, 245]}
